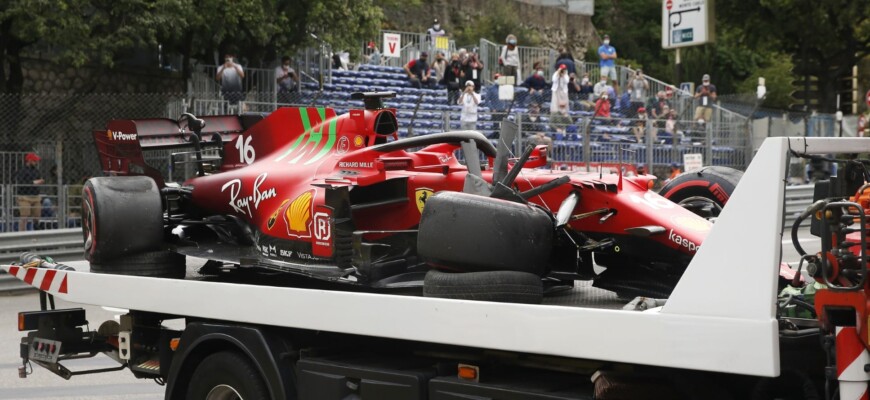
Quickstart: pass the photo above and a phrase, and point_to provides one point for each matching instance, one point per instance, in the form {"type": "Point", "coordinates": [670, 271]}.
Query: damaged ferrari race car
{"type": "Point", "coordinates": [340, 198]}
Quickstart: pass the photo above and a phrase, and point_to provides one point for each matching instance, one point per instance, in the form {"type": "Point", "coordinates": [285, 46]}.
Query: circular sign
{"type": "Point", "coordinates": [669, 4]}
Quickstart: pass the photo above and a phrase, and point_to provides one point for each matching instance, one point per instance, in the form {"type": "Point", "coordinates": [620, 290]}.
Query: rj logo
{"type": "Point", "coordinates": [321, 226]}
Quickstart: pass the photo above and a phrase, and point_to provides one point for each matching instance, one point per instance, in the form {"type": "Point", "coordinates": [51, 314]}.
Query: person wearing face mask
{"type": "Point", "coordinates": [638, 87]}
{"type": "Point", "coordinates": [559, 88]}
{"type": "Point", "coordinates": [607, 63]}
{"type": "Point", "coordinates": [602, 106]}
{"type": "Point", "coordinates": [534, 127]}
{"type": "Point", "coordinates": [439, 66]}
{"type": "Point", "coordinates": [452, 77]}
{"type": "Point", "coordinates": [587, 92]}
{"type": "Point", "coordinates": [230, 76]}
{"type": "Point", "coordinates": [510, 58]}
{"type": "Point", "coordinates": [434, 32]}
{"type": "Point", "coordinates": [287, 79]}
{"type": "Point", "coordinates": [537, 84]}
{"type": "Point", "coordinates": [418, 71]}
{"type": "Point", "coordinates": [705, 95]}
{"type": "Point", "coordinates": [472, 67]}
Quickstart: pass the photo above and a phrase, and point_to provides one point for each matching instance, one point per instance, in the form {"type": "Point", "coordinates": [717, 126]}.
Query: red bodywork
{"type": "Point", "coordinates": [299, 174]}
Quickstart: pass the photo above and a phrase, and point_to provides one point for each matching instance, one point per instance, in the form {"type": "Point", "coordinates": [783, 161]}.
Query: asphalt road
{"type": "Point", "coordinates": [42, 384]}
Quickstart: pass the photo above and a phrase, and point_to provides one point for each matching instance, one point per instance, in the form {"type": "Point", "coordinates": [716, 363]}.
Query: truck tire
{"type": "Point", "coordinates": [498, 286]}
{"type": "Point", "coordinates": [714, 183]}
{"type": "Point", "coordinates": [470, 233]}
{"type": "Point", "coordinates": [121, 215]}
{"type": "Point", "coordinates": [158, 264]}
{"type": "Point", "coordinates": [226, 375]}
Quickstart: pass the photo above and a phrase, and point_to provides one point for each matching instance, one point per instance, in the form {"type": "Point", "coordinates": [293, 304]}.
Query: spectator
{"type": "Point", "coordinates": [639, 128]}
{"type": "Point", "coordinates": [375, 58]}
{"type": "Point", "coordinates": [600, 88]}
{"type": "Point", "coordinates": [670, 121]}
{"type": "Point", "coordinates": [452, 78]}
{"type": "Point", "coordinates": [471, 70]}
{"type": "Point", "coordinates": [573, 91]}
{"type": "Point", "coordinates": [230, 76]}
{"type": "Point", "coordinates": [559, 88]}
{"type": "Point", "coordinates": [565, 58]}
{"type": "Point", "coordinates": [656, 105]}
{"type": "Point", "coordinates": [602, 106]}
{"type": "Point", "coordinates": [533, 128]}
{"type": "Point", "coordinates": [607, 54]}
{"type": "Point", "coordinates": [439, 66]}
{"type": "Point", "coordinates": [587, 92]}
{"type": "Point", "coordinates": [559, 120]}
{"type": "Point", "coordinates": [706, 95]}
{"type": "Point", "coordinates": [469, 100]}
{"type": "Point", "coordinates": [675, 171]}
{"type": "Point", "coordinates": [510, 58]}
{"type": "Point", "coordinates": [641, 169]}
{"type": "Point", "coordinates": [288, 81]}
{"type": "Point", "coordinates": [537, 84]}
{"type": "Point", "coordinates": [29, 204]}
{"type": "Point", "coordinates": [434, 32]}
{"type": "Point", "coordinates": [638, 86]}
{"type": "Point", "coordinates": [418, 71]}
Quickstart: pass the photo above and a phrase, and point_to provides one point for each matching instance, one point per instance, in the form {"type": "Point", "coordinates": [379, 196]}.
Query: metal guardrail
{"type": "Point", "coordinates": [797, 199]}
{"type": "Point", "coordinates": [59, 244]}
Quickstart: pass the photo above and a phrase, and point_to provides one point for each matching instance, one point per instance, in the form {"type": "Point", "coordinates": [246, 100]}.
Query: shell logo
{"type": "Point", "coordinates": [358, 141]}
{"type": "Point", "coordinates": [298, 215]}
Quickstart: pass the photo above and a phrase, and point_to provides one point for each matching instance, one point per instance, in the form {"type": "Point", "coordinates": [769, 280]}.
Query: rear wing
{"type": "Point", "coordinates": [120, 144]}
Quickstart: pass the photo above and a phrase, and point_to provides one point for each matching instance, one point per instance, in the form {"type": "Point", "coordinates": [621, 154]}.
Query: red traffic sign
{"type": "Point", "coordinates": [669, 4]}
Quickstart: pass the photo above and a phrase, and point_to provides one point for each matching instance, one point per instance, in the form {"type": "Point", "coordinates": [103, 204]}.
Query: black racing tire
{"type": "Point", "coordinates": [714, 183]}
{"type": "Point", "coordinates": [226, 375]}
{"type": "Point", "coordinates": [470, 233]}
{"type": "Point", "coordinates": [158, 264]}
{"type": "Point", "coordinates": [498, 286]}
{"type": "Point", "coordinates": [121, 215]}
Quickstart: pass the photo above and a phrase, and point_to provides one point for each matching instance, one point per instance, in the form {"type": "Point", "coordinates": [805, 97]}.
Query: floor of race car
{"type": "Point", "coordinates": [583, 294]}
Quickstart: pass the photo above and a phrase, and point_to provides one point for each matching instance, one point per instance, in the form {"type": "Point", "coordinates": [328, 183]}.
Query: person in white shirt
{"type": "Point", "coordinates": [559, 88]}
{"type": "Point", "coordinates": [469, 100]}
{"type": "Point", "coordinates": [230, 76]}
{"type": "Point", "coordinates": [510, 59]}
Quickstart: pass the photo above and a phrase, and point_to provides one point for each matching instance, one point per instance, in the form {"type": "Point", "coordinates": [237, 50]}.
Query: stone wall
{"type": "Point", "coordinates": [41, 76]}
{"type": "Point", "coordinates": [558, 28]}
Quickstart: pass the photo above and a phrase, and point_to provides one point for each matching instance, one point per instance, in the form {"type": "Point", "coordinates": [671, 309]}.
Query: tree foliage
{"type": "Point", "coordinates": [101, 32]}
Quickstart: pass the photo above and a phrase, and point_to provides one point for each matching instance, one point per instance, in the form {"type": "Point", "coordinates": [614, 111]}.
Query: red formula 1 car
{"type": "Point", "coordinates": [341, 199]}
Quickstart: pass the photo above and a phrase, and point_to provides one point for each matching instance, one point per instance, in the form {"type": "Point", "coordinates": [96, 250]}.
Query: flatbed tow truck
{"type": "Point", "coordinates": [721, 334]}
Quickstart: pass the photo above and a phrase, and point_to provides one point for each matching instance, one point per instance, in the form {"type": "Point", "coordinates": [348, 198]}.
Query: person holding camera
{"type": "Point", "coordinates": [230, 76]}
{"type": "Point", "coordinates": [559, 88]}
{"type": "Point", "coordinates": [287, 79]}
{"type": "Point", "coordinates": [639, 87]}
{"type": "Point", "coordinates": [469, 100]}
{"type": "Point", "coordinates": [705, 95]}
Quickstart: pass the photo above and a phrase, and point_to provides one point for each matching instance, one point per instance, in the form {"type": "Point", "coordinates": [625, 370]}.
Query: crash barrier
{"type": "Point", "coordinates": [797, 199]}
{"type": "Point", "coordinates": [59, 244]}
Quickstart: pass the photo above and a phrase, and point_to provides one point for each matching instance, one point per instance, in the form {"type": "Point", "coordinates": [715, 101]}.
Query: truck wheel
{"type": "Point", "coordinates": [473, 233]}
{"type": "Point", "coordinates": [499, 286]}
{"type": "Point", "coordinates": [159, 264]}
{"type": "Point", "coordinates": [121, 215]}
{"type": "Point", "coordinates": [711, 185]}
{"type": "Point", "coordinates": [226, 375]}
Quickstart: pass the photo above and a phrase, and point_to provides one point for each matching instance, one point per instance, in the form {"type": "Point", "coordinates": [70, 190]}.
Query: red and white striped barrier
{"type": "Point", "coordinates": [852, 356]}
{"type": "Point", "coordinates": [48, 280]}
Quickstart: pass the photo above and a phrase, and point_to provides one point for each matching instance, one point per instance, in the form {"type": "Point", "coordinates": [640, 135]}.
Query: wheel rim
{"type": "Point", "coordinates": [696, 204]}
{"type": "Point", "coordinates": [223, 392]}
{"type": "Point", "coordinates": [88, 224]}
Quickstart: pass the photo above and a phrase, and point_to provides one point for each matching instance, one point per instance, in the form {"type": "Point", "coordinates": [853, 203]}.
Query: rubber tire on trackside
{"type": "Point", "coordinates": [121, 215]}
{"type": "Point", "coordinates": [498, 286]}
{"type": "Point", "coordinates": [158, 264]}
{"type": "Point", "coordinates": [471, 233]}
{"type": "Point", "coordinates": [715, 183]}
{"type": "Point", "coordinates": [227, 368]}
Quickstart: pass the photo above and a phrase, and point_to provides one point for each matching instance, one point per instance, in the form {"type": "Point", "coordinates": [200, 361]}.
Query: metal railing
{"type": "Point", "coordinates": [529, 56]}
{"type": "Point", "coordinates": [411, 44]}
{"type": "Point", "coordinates": [259, 84]}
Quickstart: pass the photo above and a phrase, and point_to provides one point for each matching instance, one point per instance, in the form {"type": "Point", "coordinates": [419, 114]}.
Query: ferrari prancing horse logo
{"type": "Point", "coordinates": [422, 195]}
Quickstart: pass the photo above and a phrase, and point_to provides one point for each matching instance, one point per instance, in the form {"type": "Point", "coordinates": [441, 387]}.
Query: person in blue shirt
{"type": "Point", "coordinates": [607, 55]}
